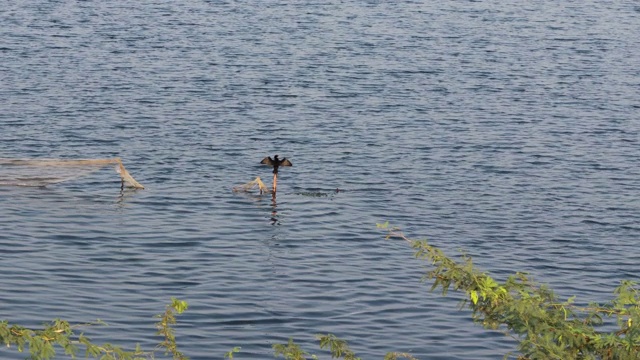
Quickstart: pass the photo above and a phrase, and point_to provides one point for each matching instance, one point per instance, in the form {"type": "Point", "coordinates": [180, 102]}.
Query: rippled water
{"type": "Point", "coordinates": [508, 130]}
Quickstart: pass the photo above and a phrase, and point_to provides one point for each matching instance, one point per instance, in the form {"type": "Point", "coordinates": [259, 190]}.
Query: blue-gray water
{"type": "Point", "coordinates": [507, 129]}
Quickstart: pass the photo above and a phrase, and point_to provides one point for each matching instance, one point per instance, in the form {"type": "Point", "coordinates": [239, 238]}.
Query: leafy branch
{"type": "Point", "coordinates": [531, 313]}
{"type": "Point", "coordinates": [164, 328]}
{"type": "Point", "coordinates": [41, 343]}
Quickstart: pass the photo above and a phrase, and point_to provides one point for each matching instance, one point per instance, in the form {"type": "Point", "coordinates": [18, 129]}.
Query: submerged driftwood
{"type": "Point", "coordinates": [42, 172]}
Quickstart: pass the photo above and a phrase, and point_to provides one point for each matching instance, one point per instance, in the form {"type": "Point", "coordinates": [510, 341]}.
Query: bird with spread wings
{"type": "Point", "coordinates": [275, 163]}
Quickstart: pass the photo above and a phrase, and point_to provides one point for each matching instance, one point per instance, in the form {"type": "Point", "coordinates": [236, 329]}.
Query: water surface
{"type": "Point", "coordinates": [508, 131]}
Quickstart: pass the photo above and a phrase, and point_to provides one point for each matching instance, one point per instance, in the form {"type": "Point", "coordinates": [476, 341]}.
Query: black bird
{"type": "Point", "coordinates": [275, 163]}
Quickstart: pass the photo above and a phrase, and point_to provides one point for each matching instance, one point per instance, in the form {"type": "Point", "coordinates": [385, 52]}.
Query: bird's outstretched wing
{"type": "Point", "coordinates": [286, 162]}
{"type": "Point", "coordinates": [267, 161]}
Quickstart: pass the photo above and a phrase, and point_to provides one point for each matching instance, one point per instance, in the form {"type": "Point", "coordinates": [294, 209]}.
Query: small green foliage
{"type": "Point", "coordinates": [164, 328]}
{"type": "Point", "coordinates": [178, 305]}
{"type": "Point", "coordinates": [339, 348]}
{"type": "Point", "coordinates": [290, 351]}
{"type": "Point", "coordinates": [229, 355]}
{"type": "Point", "coordinates": [396, 356]}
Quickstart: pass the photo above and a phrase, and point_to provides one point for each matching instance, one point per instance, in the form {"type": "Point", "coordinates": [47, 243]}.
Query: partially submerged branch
{"type": "Point", "coordinates": [43, 172]}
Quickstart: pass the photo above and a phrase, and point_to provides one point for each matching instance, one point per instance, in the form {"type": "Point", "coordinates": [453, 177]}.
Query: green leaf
{"type": "Point", "coordinates": [474, 296]}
